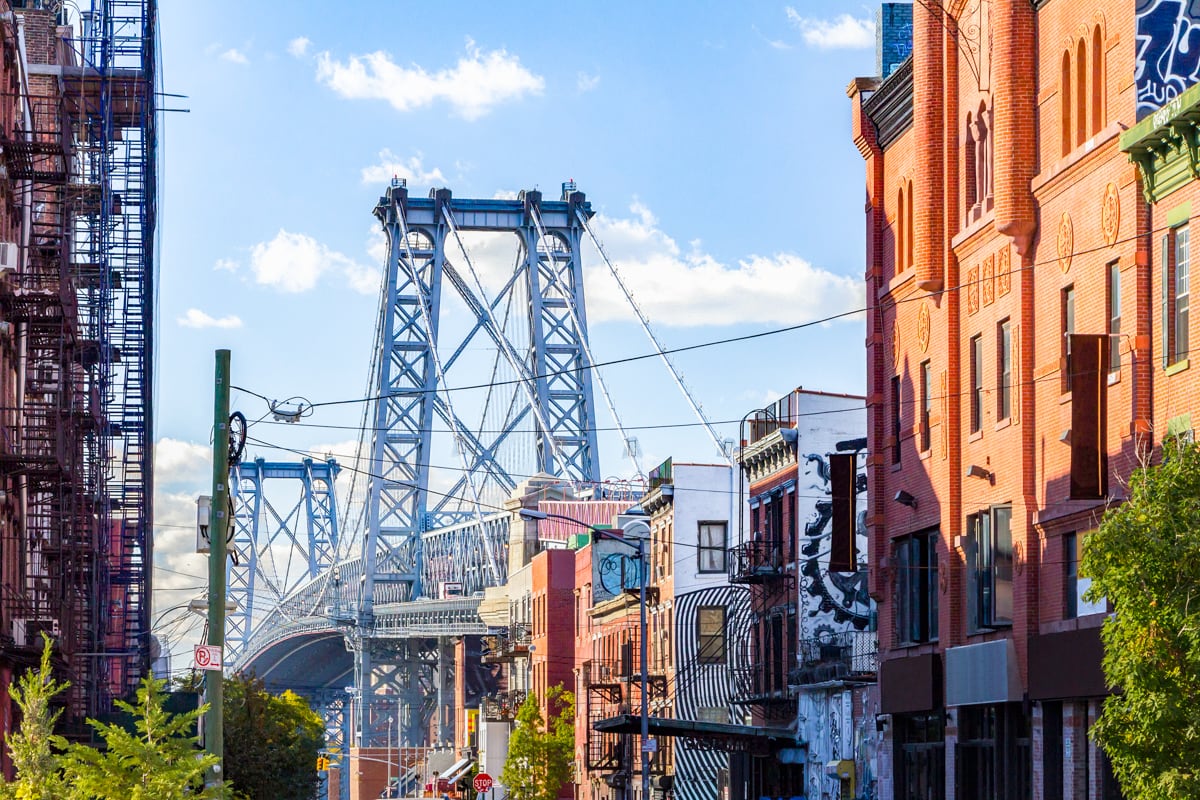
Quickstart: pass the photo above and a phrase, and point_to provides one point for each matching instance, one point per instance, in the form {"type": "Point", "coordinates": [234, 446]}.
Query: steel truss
{"type": "Point", "coordinates": [278, 548]}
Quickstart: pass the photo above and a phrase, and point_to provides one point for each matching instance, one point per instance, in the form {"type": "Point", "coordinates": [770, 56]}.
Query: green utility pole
{"type": "Point", "coordinates": [218, 525]}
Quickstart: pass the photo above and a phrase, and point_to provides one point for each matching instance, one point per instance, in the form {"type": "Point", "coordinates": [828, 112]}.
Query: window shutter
{"type": "Point", "coordinates": [1089, 416]}
{"type": "Point", "coordinates": [843, 556]}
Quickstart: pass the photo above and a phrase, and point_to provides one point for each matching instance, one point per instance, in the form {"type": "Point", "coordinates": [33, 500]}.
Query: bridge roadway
{"type": "Point", "coordinates": [315, 650]}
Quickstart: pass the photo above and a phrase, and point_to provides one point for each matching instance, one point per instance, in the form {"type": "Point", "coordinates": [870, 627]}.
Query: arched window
{"type": "Point", "coordinates": [901, 226]}
{"type": "Point", "coordinates": [1081, 68]}
{"type": "Point", "coordinates": [969, 161]}
{"type": "Point", "coordinates": [1097, 81]}
{"type": "Point", "coordinates": [983, 155]}
{"type": "Point", "coordinates": [1065, 102]}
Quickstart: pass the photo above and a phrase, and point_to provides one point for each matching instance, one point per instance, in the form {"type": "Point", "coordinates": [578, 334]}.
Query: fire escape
{"type": "Point", "coordinates": [75, 295]}
{"type": "Point", "coordinates": [614, 686]}
{"type": "Point", "coordinates": [765, 565]}
{"type": "Point", "coordinates": [505, 648]}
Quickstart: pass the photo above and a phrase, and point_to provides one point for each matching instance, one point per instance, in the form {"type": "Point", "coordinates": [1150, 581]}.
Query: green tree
{"type": "Point", "coordinates": [540, 752]}
{"type": "Point", "coordinates": [34, 747]}
{"type": "Point", "coordinates": [1145, 559]}
{"type": "Point", "coordinates": [271, 742]}
{"type": "Point", "coordinates": [159, 761]}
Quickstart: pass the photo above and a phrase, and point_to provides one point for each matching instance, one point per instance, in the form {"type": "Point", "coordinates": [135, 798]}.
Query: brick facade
{"type": "Point", "coordinates": [1008, 126]}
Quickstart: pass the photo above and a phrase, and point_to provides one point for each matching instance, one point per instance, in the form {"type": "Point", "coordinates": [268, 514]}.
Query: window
{"type": "Point", "coordinates": [989, 568]}
{"type": "Point", "coordinates": [1114, 315]}
{"type": "Point", "coordinates": [1064, 109]}
{"type": "Point", "coordinates": [1074, 586]}
{"type": "Point", "coordinates": [1081, 68]}
{"type": "Point", "coordinates": [896, 419]}
{"type": "Point", "coordinates": [901, 227]}
{"type": "Point", "coordinates": [1097, 80]}
{"type": "Point", "coordinates": [976, 383]}
{"type": "Point", "coordinates": [710, 634]}
{"type": "Point", "coordinates": [713, 543]}
{"type": "Point", "coordinates": [1175, 279]}
{"type": "Point", "coordinates": [1181, 294]}
{"type": "Point", "coordinates": [1067, 319]}
{"type": "Point", "coordinates": [916, 605]}
{"type": "Point", "coordinates": [1004, 362]}
{"type": "Point", "coordinates": [926, 404]}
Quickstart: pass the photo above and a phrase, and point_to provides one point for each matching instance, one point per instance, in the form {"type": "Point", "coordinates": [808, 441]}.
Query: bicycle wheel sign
{"type": "Point", "coordinates": [208, 656]}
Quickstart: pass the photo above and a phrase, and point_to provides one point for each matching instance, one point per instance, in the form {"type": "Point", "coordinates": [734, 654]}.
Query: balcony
{"type": "Point", "coordinates": [503, 706]}
{"type": "Point", "coordinates": [756, 562]}
{"type": "Point", "coordinates": [843, 656]}
{"type": "Point", "coordinates": [507, 646]}
{"type": "Point", "coordinates": [760, 684]}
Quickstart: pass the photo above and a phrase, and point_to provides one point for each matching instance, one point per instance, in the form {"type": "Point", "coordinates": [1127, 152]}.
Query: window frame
{"type": "Point", "coordinates": [1175, 242]}
{"type": "Point", "coordinates": [1067, 324]}
{"type": "Point", "coordinates": [976, 366]}
{"type": "Point", "coordinates": [1004, 364]}
{"type": "Point", "coordinates": [1113, 295]}
{"type": "Point", "coordinates": [897, 421]}
{"type": "Point", "coordinates": [991, 564]}
{"type": "Point", "coordinates": [705, 653]}
{"type": "Point", "coordinates": [926, 405]}
{"type": "Point", "coordinates": [916, 587]}
{"type": "Point", "coordinates": [721, 550]}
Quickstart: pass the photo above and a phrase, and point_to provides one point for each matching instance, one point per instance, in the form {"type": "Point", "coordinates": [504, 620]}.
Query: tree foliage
{"type": "Point", "coordinates": [540, 751]}
{"type": "Point", "coordinates": [1145, 558]}
{"type": "Point", "coordinates": [271, 742]}
{"type": "Point", "coordinates": [159, 761]}
{"type": "Point", "coordinates": [34, 747]}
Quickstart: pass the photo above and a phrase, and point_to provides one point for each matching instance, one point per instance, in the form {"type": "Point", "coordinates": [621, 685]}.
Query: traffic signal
{"type": "Point", "coordinates": [322, 764]}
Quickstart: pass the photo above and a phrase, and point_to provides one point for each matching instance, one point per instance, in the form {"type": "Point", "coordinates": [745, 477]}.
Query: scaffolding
{"type": "Point", "coordinates": [77, 296]}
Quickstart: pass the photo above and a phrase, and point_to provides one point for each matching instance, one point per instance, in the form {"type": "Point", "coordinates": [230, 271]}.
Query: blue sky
{"type": "Point", "coordinates": [711, 137]}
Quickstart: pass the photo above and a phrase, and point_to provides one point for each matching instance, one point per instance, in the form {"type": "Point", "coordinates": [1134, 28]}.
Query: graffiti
{"type": "Point", "coordinates": [841, 597]}
{"type": "Point", "coordinates": [1168, 51]}
{"type": "Point", "coordinates": [615, 572]}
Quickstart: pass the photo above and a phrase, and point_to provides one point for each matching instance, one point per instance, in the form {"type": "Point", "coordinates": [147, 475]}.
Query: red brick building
{"type": "Point", "coordinates": [1016, 372]}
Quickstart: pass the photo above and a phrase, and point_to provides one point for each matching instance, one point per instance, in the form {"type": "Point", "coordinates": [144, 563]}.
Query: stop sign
{"type": "Point", "coordinates": [482, 782]}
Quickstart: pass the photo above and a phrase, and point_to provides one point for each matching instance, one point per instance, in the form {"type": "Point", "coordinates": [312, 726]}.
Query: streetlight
{"type": "Point", "coordinates": [639, 546]}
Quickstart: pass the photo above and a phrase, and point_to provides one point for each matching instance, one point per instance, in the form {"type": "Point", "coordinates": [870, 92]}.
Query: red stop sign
{"type": "Point", "coordinates": [482, 782]}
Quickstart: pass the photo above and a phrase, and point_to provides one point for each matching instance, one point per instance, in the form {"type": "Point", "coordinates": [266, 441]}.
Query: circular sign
{"type": "Point", "coordinates": [482, 782]}
{"type": "Point", "coordinates": [203, 657]}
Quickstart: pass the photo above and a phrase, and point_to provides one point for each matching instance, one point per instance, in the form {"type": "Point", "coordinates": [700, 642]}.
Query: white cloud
{"type": "Point", "coordinates": [506, 194]}
{"type": "Point", "coordinates": [392, 166]}
{"type": "Point", "coordinates": [226, 265]}
{"type": "Point", "coordinates": [294, 262]}
{"type": "Point", "coordinates": [195, 318]}
{"type": "Point", "coordinates": [476, 84]}
{"type": "Point", "coordinates": [586, 83]}
{"type": "Point", "coordinates": [178, 462]}
{"type": "Point", "coordinates": [681, 288]}
{"type": "Point", "coordinates": [844, 31]}
{"type": "Point", "coordinates": [298, 47]}
{"type": "Point", "coordinates": [234, 56]}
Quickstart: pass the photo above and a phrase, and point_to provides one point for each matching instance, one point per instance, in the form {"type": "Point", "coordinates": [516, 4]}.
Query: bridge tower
{"type": "Point", "coordinates": [537, 402]}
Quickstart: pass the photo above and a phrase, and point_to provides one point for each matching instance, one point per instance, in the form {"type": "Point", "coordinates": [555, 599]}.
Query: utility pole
{"type": "Point", "coordinates": [214, 688]}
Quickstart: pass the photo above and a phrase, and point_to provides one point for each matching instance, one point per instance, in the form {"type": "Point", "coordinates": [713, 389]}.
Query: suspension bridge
{"type": "Point", "coordinates": [363, 621]}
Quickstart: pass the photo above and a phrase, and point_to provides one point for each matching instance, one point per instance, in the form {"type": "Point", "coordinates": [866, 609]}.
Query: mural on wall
{"type": "Point", "coordinates": [830, 600]}
{"type": "Point", "coordinates": [703, 691]}
{"type": "Point", "coordinates": [615, 568]}
{"type": "Point", "coordinates": [1168, 51]}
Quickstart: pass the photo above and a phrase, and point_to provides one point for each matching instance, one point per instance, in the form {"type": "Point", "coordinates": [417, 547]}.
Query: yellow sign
{"type": "Point", "coordinates": [472, 720]}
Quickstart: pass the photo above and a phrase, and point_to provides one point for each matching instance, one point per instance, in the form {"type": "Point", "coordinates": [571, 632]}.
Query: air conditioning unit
{"type": "Point", "coordinates": [28, 632]}
{"type": "Point", "coordinates": [9, 253]}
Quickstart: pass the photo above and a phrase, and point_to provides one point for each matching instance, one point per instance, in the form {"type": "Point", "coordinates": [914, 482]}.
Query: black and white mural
{"type": "Point", "coordinates": [704, 691]}
{"type": "Point", "coordinates": [832, 606]}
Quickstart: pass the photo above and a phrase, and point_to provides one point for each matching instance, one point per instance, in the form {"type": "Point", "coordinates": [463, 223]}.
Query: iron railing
{"type": "Point", "coordinates": [841, 656]}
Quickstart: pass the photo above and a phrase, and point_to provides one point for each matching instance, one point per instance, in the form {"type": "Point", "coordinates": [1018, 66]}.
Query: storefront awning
{"type": "Point", "coordinates": [742, 736]}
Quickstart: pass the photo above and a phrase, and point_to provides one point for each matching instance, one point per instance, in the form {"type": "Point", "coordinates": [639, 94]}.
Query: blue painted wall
{"type": "Point", "coordinates": [1168, 51]}
{"type": "Point", "coordinates": [893, 37]}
